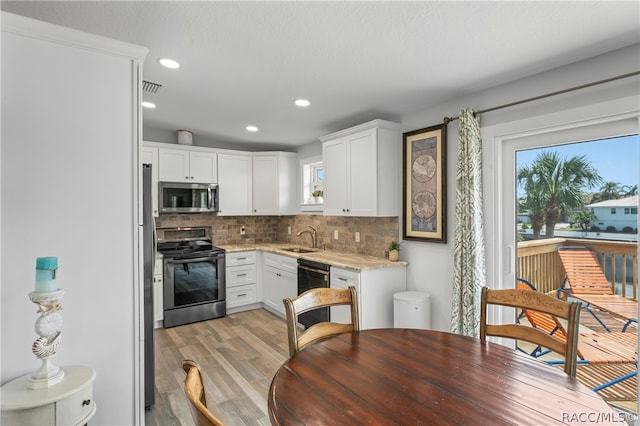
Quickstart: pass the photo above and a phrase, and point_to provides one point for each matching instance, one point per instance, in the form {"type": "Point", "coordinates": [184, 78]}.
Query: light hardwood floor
{"type": "Point", "coordinates": [238, 355]}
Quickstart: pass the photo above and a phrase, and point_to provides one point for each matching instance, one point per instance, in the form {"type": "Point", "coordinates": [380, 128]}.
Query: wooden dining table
{"type": "Point", "coordinates": [410, 376]}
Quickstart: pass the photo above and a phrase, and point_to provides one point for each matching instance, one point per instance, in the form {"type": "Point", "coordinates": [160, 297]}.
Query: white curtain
{"type": "Point", "coordinates": [469, 252]}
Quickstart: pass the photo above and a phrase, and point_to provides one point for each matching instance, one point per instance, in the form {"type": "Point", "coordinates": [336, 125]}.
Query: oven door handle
{"type": "Point", "coordinates": [320, 271]}
{"type": "Point", "coordinates": [191, 259]}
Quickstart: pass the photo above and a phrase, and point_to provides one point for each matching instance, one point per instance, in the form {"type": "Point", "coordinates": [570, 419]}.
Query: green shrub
{"type": "Point", "coordinates": [627, 229]}
{"type": "Point", "coordinates": [611, 228]}
{"type": "Point", "coordinates": [594, 228]}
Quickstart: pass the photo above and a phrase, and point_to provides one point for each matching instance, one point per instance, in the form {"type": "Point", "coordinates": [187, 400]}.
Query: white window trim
{"type": "Point", "coordinates": [312, 208]}
{"type": "Point", "coordinates": [500, 141]}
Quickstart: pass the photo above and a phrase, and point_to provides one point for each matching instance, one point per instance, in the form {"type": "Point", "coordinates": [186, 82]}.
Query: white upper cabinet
{"type": "Point", "coordinates": [362, 170]}
{"type": "Point", "coordinates": [274, 183]}
{"type": "Point", "coordinates": [150, 156]}
{"type": "Point", "coordinates": [334, 155]}
{"type": "Point", "coordinates": [203, 167]}
{"type": "Point", "coordinates": [235, 185]}
{"type": "Point", "coordinates": [178, 165]}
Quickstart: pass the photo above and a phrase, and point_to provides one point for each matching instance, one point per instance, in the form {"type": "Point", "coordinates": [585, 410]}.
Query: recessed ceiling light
{"type": "Point", "coordinates": [169, 63]}
{"type": "Point", "coordinates": [252, 128]}
{"type": "Point", "coordinates": [147, 104]}
{"type": "Point", "coordinates": [302, 102]}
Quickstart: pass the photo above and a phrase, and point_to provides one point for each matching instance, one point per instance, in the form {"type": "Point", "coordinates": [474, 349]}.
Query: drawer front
{"type": "Point", "coordinates": [284, 263]}
{"type": "Point", "coordinates": [241, 275]}
{"type": "Point", "coordinates": [241, 258]}
{"type": "Point", "coordinates": [75, 408]}
{"type": "Point", "coordinates": [240, 296]}
{"type": "Point", "coordinates": [341, 278]}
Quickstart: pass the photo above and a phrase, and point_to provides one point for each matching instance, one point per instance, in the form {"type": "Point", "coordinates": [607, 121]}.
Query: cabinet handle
{"type": "Point", "coordinates": [241, 258]}
{"type": "Point", "coordinates": [241, 275]}
{"type": "Point", "coordinates": [186, 177]}
{"type": "Point", "coordinates": [243, 294]}
{"type": "Point", "coordinates": [342, 279]}
{"type": "Point", "coordinates": [86, 402]}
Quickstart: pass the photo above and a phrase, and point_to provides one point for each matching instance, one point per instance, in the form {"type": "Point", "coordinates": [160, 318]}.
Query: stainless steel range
{"type": "Point", "coordinates": [194, 277]}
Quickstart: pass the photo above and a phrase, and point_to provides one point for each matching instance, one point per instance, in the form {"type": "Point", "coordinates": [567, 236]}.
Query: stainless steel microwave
{"type": "Point", "coordinates": [175, 197]}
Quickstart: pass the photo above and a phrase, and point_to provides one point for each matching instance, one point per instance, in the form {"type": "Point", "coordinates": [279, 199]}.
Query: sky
{"type": "Point", "coordinates": [616, 159]}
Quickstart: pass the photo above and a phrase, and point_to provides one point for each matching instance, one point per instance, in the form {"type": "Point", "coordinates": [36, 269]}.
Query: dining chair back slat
{"type": "Point", "coordinates": [530, 300]}
{"type": "Point", "coordinates": [316, 298]}
{"type": "Point", "coordinates": [593, 348]}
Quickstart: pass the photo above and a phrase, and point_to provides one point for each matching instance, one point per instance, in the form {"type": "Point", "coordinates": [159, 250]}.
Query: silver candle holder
{"type": "Point", "coordinates": [48, 326]}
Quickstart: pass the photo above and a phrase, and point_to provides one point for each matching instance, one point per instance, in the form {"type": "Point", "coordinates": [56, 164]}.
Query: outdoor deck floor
{"type": "Point", "coordinates": [622, 395]}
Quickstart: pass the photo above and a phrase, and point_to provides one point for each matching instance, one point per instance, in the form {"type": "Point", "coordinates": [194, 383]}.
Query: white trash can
{"type": "Point", "coordinates": [412, 309]}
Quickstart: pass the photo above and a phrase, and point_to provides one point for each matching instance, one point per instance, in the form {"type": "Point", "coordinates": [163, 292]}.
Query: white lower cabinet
{"type": "Point", "coordinates": [280, 281]}
{"type": "Point", "coordinates": [241, 279]}
{"type": "Point", "coordinates": [375, 288]}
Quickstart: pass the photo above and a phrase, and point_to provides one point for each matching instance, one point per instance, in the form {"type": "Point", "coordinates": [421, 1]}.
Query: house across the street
{"type": "Point", "coordinates": [621, 214]}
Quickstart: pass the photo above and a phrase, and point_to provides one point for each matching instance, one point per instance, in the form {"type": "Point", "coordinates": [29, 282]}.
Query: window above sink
{"type": "Point", "coordinates": [312, 173]}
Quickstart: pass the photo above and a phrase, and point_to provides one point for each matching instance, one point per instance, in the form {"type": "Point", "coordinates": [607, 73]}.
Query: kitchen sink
{"type": "Point", "coordinates": [299, 250]}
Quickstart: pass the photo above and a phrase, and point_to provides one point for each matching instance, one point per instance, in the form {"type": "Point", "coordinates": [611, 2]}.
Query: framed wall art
{"type": "Point", "coordinates": [424, 184]}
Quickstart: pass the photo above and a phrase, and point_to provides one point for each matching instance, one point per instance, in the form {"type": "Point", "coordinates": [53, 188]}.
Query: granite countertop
{"type": "Point", "coordinates": [356, 262]}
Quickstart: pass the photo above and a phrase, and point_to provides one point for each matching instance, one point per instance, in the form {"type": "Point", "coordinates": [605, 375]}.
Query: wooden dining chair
{"type": "Point", "coordinates": [536, 301]}
{"type": "Point", "coordinates": [316, 298]}
{"type": "Point", "coordinates": [194, 389]}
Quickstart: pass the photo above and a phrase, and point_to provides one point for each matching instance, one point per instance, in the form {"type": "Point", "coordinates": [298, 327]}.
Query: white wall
{"type": "Point", "coordinates": [430, 265]}
{"type": "Point", "coordinates": [69, 149]}
{"type": "Point", "coordinates": [310, 150]}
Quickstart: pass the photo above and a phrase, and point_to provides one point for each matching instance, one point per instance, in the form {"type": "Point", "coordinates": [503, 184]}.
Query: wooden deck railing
{"type": "Point", "coordinates": [539, 263]}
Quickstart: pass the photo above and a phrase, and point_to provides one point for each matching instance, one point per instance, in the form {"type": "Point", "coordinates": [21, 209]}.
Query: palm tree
{"type": "Point", "coordinates": [535, 205]}
{"type": "Point", "coordinates": [608, 191]}
{"type": "Point", "coordinates": [629, 190]}
{"type": "Point", "coordinates": [557, 184]}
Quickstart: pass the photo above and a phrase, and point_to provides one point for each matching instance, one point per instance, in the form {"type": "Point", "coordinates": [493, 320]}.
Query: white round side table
{"type": "Point", "coordinates": [69, 402]}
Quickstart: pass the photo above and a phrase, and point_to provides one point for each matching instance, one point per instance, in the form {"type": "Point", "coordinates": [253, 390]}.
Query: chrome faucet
{"type": "Point", "coordinates": [314, 236]}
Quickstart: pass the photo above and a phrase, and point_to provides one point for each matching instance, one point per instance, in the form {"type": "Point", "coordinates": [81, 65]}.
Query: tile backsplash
{"type": "Point", "coordinates": [375, 232]}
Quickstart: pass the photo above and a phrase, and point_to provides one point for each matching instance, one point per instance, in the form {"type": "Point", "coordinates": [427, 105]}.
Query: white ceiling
{"type": "Point", "coordinates": [246, 62]}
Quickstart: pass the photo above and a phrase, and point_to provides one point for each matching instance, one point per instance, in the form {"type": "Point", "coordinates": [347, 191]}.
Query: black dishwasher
{"type": "Point", "coordinates": [312, 275]}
